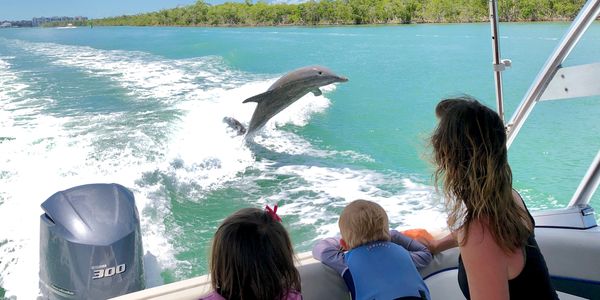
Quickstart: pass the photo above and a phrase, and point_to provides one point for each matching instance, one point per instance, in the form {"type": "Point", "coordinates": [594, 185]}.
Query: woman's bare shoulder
{"type": "Point", "coordinates": [518, 199]}
{"type": "Point", "coordinates": [479, 235]}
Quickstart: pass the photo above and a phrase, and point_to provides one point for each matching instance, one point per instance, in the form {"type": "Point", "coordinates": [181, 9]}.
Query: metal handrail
{"type": "Point", "coordinates": [584, 19]}
{"type": "Point", "coordinates": [587, 15]}
{"type": "Point", "coordinates": [588, 185]}
{"type": "Point", "coordinates": [497, 64]}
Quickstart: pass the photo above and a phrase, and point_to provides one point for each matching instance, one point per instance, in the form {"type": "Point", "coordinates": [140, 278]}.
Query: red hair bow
{"type": "Point", "coordinates": [273, 212]}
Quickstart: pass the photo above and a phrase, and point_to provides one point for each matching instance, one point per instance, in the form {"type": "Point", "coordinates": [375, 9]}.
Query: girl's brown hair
{"type": "Point", "coordinates": [470, 154]}
{"type": "Point", "coordinates": [252, 258]}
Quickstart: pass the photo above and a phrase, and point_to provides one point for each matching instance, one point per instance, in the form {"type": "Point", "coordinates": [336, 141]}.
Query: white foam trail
{"type": "Point", "coordinates": [41, 160]}
{"type": "Point", "coordinates": [42, 157]}
{"type": "Point", "coordinates": [147, 76]}
{"type": "Point", "coordinates": [30, 172]}
{"type": "Point", "coordinates": [59, 157]}
{"type": "Point", "coordinates": [144, 75]}
{"type": "Point", "coordinates": [9, 81]}
{"type": "Point", "coordinates": [215, 156]}
{"type": "Point", "coordinates": [209, 154]}
{"type": "Point", "coordinates": [12, 90]}
{"type": "Point", "coordinates": [51, 153]}
{"type": "Point", "coordinates": [335, 188]}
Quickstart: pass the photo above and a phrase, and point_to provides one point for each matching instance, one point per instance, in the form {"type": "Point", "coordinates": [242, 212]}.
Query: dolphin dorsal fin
{"type": "Point", "coordinates": [317, 92]}
{"type": "Point", "coordinates": [258, 98]}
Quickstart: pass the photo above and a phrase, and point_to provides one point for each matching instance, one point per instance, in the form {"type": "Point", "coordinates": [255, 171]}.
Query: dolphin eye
{"type": "Point", "coordinates": [320, 72]}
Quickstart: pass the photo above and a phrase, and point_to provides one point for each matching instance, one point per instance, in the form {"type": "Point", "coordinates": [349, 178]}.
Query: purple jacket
{"type": "Point", "coordinates": [329, 252]}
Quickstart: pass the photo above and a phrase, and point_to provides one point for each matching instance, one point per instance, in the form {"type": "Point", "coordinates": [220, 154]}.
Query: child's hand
{"type": "Point", "coordinates": [421, 235]}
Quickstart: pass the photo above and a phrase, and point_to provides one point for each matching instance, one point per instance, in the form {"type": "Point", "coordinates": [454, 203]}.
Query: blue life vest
{"type": "Point", "coordinates": [383, 270]}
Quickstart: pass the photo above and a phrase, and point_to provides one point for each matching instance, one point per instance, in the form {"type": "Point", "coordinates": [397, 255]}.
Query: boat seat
{"type": "Point", "coordinates": [570, 254]}
{"type": "Point", "coordinates": [320, 282]}
{"type": "Point", "coordinates": [444, 285]}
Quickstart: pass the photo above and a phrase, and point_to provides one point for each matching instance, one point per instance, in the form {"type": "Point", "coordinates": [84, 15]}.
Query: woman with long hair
{"type": "Point", "coordinates": [499, 257]}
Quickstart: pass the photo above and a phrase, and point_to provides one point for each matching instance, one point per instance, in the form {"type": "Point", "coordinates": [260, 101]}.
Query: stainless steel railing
{"type": "Point", "coordinates": [584, 19]}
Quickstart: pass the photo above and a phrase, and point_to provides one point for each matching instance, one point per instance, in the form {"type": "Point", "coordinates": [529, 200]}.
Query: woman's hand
{"type": "Point", "coordinates": [440, 245]}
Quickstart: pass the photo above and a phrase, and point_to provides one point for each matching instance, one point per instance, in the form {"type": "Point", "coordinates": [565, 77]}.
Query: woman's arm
{"type": "Point", "coordinates": [486, 264]}
{"type": "Point", "coordinates": [443, 244]}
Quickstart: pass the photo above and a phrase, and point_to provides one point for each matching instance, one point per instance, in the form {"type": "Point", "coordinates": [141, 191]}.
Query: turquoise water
{"type": "Point", "coordinates": [143, 107]}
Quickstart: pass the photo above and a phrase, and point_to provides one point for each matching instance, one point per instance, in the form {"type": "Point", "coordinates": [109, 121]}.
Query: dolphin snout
{"type": "Point", "coordinates": [342, 79]}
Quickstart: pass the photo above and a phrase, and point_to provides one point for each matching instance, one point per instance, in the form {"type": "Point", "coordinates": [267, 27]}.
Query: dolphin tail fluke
{"type": "Point", "coordinates": [259, 98]}
{"type": "Point", "coordinates": [235, 125]}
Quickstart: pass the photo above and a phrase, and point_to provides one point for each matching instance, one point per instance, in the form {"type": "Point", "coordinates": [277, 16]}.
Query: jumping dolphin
{"type": "Point", "coordinates": [285, 91]}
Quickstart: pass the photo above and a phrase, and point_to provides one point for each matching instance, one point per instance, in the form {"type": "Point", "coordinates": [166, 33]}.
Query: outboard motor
{"type": "Point", "coordinates": [90, 243]}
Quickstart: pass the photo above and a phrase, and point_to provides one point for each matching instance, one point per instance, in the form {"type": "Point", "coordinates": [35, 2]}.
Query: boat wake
{"type": "Point", "coordinates": [154, 125]}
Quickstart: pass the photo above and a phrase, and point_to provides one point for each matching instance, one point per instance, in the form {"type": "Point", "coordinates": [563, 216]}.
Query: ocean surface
{"type": "Point", "coordinates": [143, 107]}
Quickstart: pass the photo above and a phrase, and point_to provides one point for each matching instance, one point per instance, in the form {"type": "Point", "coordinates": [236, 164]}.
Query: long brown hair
{"type": "Point", "coordinates": [470, 154]}
{"type": "Point", "coordinates": [252, 258]}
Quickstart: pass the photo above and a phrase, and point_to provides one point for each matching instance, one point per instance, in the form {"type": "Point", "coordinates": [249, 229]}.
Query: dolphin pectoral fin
{"type": "Point", "coordinates": [317, 92]}
{"type": "Point", "coordinates": [258, 98]}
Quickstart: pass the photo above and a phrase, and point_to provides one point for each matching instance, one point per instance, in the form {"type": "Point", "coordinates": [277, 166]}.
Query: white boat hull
{"type": "Point", "coordinates": [572, 256]}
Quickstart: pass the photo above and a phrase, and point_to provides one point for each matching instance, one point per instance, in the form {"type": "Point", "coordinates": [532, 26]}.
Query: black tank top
{"type": "Point", "coordinates": [532, 283]}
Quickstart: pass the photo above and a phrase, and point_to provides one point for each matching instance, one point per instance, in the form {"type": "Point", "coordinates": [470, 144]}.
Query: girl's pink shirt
{"type": "Point", "coordinates": [291, 295]}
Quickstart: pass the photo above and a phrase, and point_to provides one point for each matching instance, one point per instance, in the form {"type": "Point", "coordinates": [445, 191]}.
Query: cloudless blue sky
{"type": "Point", "coordinates": [27, 9]}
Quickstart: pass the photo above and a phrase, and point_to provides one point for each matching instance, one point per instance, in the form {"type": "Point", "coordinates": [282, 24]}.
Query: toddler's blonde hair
{"type": "Point", "coordinates": [363, 222]}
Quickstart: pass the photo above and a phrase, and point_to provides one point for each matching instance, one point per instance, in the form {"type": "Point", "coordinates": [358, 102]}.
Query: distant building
{"type": "Point", "coordinates": [21, 23]}
{"type": "Point", "coordinates": [41, 20]}
{"type": "Point", "coordinates": [35, 22]}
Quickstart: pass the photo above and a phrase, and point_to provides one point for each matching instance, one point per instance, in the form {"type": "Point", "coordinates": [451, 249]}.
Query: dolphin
{"type": "Point", "coordinates": [285, 91]}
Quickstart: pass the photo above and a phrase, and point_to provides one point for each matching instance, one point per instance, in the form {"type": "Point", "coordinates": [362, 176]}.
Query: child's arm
{"type": "Point", "coordinates": [329, 252]}
{"type": "Point", "coordinates": [420, 254]}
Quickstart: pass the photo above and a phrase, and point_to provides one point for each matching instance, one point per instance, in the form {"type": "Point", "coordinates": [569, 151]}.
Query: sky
{"type": "Point", "coordinates": [27, 9]}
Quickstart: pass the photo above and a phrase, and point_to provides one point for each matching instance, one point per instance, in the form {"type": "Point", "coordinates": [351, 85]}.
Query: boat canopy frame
{"type": "Point", "coordinates": [555, 82]}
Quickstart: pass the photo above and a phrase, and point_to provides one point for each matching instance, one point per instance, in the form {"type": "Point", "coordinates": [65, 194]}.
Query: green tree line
{"type": "Point", "coordinates": [348, 12]}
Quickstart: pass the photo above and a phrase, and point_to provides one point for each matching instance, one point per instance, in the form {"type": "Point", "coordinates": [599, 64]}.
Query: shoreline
{"type": "Point", "coordinates": [556, 20]}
